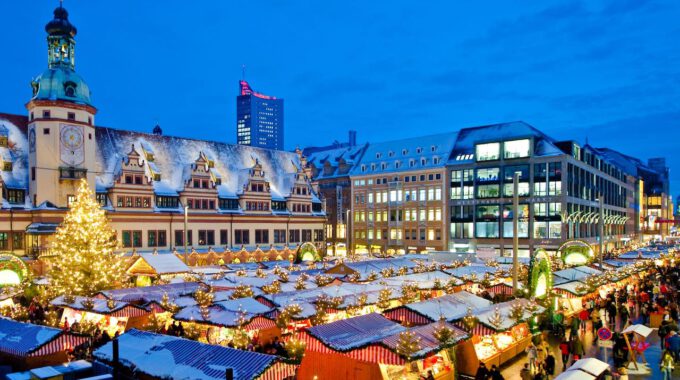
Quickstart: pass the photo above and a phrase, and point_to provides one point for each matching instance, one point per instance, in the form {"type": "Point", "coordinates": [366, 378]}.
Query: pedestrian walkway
{"type": "Point", "coordinates": [512, 369]}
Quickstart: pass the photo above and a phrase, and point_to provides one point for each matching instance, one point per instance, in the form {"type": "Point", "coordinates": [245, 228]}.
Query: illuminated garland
{"type": "Point", "coordinates": [384, 298]}
{"type": "Point", "coordinates": [273, 288]}
{"type": "Point", "coordinates": [408, 344]}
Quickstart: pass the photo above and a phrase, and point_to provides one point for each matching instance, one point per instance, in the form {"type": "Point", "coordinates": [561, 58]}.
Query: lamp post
{"type": "Point", "coordinates": [515, 231]}
{"type": "Point", "coordinates": [186, 234]}
{"type": "Point", "coordinates": [601, 228]}
{"type": "Point", "coordinates": [348, 231]}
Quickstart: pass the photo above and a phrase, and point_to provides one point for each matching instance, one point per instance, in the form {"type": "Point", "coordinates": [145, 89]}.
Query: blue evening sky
{"type": "Point", "coordinates": [603, 70]}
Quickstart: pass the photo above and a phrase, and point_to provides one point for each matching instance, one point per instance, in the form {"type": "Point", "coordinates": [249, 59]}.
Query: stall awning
{"type": "Point", "coordinates": [42, 228]}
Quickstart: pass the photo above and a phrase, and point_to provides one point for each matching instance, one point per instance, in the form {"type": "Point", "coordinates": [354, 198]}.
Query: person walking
{"type": "Point", "coordinates": [565, 349]}
{"type": "Point", "coordinates": [583, 317]}
{"type": "Point", "coordinates": [667, 365]}
{"type": "Point", "coordinates": [549, 365]}
{"type": "Point", "coordinates": [576, 348]}
{"type": "Point", "coordinates": [532, 355]}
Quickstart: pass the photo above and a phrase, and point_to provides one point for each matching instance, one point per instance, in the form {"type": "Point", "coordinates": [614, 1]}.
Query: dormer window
{"type": "Point", "coordinates": [419, 150]}
{"type": "Point", "coordinates": [397, 164]}
{"type": "Point", "coordinates": [423, 161]}
{"type": "Point", "coordinates": [383, 166]}
{"type": "Point", "coordinates": [372, 167]}
{"type": "Point", "coordinates": [433, 148]}
{"type": "Point", "coordinates": [390, 154]}
{"type": "Point", "coordinates": [70, 89]}
{"type": "Point", "coordinates": [378, 155]}
{"type": "Point", "coordinates": [404, 152]}
{"type": "Point", "coordinates": [435, 160]}
{"type": "Point", "coordinates": [411, 163]}
{"type": "Point", "coordinates": [363, 168]}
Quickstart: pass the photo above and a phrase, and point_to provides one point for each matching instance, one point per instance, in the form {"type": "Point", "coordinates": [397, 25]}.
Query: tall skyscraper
{"type": "Point", "coordinates": [259, 119]}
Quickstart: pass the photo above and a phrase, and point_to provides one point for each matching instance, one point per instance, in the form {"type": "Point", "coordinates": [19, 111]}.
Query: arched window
{"type": "Point", "coordinates": [70, 89]}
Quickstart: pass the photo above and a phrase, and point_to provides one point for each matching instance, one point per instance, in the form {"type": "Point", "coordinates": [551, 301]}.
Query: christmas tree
{"type": "Point", "coordinates": [84, 244]}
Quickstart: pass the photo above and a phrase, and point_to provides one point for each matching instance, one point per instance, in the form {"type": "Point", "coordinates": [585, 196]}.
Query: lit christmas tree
{"type": "Point", "coordinates": [84, 245]}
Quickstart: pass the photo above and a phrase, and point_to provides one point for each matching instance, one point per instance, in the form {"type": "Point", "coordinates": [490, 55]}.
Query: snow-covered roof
{"type": "Point", "coordinates": [99, 306]}
{"type": "Point", "coordinates": [417, 153]}
{"type": "Point", "coordinates": [426, 338]}
{"type": "Point", "coordinates": [571, 287]}
{"type": "Point", "coordinates": [18, 338]}
{"type": "Point", "coordinates": [168, 357]}
{"type": "Point", "coordinates": [451, 306]}
{"type": "Point", "coordinates": [172, 155]}
{"type": "Point", "coordinates": [153, 293]}
{"type": "Point", "coordinates": [165, 263]}
{"type": "Point", "coordinates": [351, 333]}
{"type": "Point", "coordinates": [17, 153]}
{"type": "Point", "coordinates": [225, 313]}
{"type": "Point", "coordinates": [591, 366]}
{"type": "Point", "coordinates": [504, 308]}
{"type": "Point", "coordinates": [464, 150]}
{"type": "Point", "coordinates": [330, 158]}
{"type": "Point", "coordinates": [424, 280]}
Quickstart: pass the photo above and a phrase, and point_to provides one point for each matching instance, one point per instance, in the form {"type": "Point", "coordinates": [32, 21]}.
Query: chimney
{"type": "Point", "coordinates": [352, 138]}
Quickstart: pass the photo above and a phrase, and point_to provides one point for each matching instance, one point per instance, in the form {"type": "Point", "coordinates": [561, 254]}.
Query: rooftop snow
{"type": "Point", "coordinates": [24, 338]}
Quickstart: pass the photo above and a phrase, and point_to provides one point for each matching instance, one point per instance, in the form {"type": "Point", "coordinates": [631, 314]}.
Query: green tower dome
{"type": "Point", "coordinates": [60, 81]}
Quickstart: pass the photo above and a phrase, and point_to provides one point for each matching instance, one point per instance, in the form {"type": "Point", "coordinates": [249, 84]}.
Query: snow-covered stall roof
{"type": "Point", "coordinates": [477, 269]}
{"type": "Point", "coordinates": [426, 338]}
{"type": "Point", "coordinates": [99, 306]}
{"type": "Point", "coordinates": [451, 306]}
{"type": "Point", "coordinates": [590, 366]}
{"type": "Point", "coordinates": [152, 293]}
{"type": "Point", "coordinates": [24, 339]}
{"type": "Point", "coordinates": [167, 357]}
{"type": "Point", "coordinates": [225, 313]}
{"type": "Point", "coordinates": [504, 308]}
{"type": "Point", "coordinates": [351, 333]}
{"type": "Point", "coordinates": [164, 263]}
{"type": "Point", "coordinates": [571, 287]}
{"type": "Point", "coordinates": [571, 274]}
{"type": "Point", "coordinates": [424, 280]}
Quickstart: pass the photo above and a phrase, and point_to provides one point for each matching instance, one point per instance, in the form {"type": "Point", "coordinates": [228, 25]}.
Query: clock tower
{"type": "Point", "coordinates": [61, 132]}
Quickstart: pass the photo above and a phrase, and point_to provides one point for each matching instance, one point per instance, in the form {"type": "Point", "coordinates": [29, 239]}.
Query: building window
{"type": "Point", "coordinates": [132, 239]}
{"type": "Point", "coordinates": [18, 240]}
{"type": "Point", "coordinates": [242, 237]}
{"type": "Point", "coordinates": [261, 236]}
{"type": "Point", "coordinates": [179, 238]}
{"type": "Point", "coordinates": [157, 238]}
{"type": "Point", "coordinates": [70, 199]}
{"type": "Point", "coordinates": [71, 116]}
{"type": "Point", "coordinates": [294, 236]}
{"type": "Point", "coordinates": [47, 115]}
{"type": "Point", "coordinates": [101, 199]}
{"type": "Point", "coordinates": [206, 237]}
{"type": "Point", "coordinates": [228, 204]}
{"type": "Point", "coordinates": [167, 202]}
{"type": "Point", "coordinates": [14, 196]}
{"type": "Point", "coordinates": [306, 235]}
{"type": "Point", "coordinates": [4, 242]}
{"type": "Point", "coordinates": [516, 148]}
{"type": "Point", "coordinates": [488, 152]}
{"type": "Point", "coordinates": [279, 236]}
{"type": "Point", "coordinates": [224, 237]}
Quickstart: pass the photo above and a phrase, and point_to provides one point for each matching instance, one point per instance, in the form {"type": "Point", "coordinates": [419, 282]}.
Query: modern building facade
{"type": "Point", "coordinates": [330, 167]}
{"type": "Point", "coordinates": [237, 197]}
{"type": "Point", "coordinates": [559, 187]}
{"type": "Point", "coordinates": [259, 119]}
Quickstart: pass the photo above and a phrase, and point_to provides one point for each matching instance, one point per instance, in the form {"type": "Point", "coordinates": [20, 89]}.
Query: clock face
{"type": "Point", "coordinates": [31, 140]}
{"type": "Point", "coordinates": [71, 137]}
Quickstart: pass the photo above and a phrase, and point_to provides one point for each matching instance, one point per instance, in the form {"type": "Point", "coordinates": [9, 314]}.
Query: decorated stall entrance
{"type": "Point", "coordinates": [13, 270]}
{"type": "Point", "coordinates": [540, 275]}
{"type": "Point", "coordinates": [575, 252]}
{"type": "Point", "coordinates": [307, 252]}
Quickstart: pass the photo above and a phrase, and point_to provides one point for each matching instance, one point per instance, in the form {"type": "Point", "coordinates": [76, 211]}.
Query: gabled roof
{"type": "Point", "coordinates": [18, 338]}
{"type": "Point", "coordinates": [347, 334]}
{"type": "Point", "coordinates": [167, 357]}
{"type": "Point", "coordinates": [163, 263]}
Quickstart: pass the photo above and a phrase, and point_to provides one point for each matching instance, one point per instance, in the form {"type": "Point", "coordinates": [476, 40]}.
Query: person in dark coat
{"type": "Point", "coordinates": [495, 373]}
{"type": "Point", "coordinates": [549, 364]}
{"type": "Point", "coordinates": [482, 372]}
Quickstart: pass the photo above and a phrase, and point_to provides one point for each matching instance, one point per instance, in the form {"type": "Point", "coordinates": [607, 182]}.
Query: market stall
{"type": "Point", "coordinates": [108, 315]}
{"type": "Point", "coordinates": [222, 322]}
{"type": "Point", "coordinates": [587, 369]}
{"type": "Point", "coordinates": [499, 333]}
{"type": "Point", "coordinates": [366, 347]}
{"type": "Point", "coordinates": [450, 307]}
{"type": "Point", "coordinates": [26, 345]}
{"type": "Point", "coordinates": [155, 356]}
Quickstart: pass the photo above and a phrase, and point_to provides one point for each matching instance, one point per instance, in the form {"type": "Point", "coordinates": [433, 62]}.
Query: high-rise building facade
{"type": "Point", "coordinates": [259, 119]}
